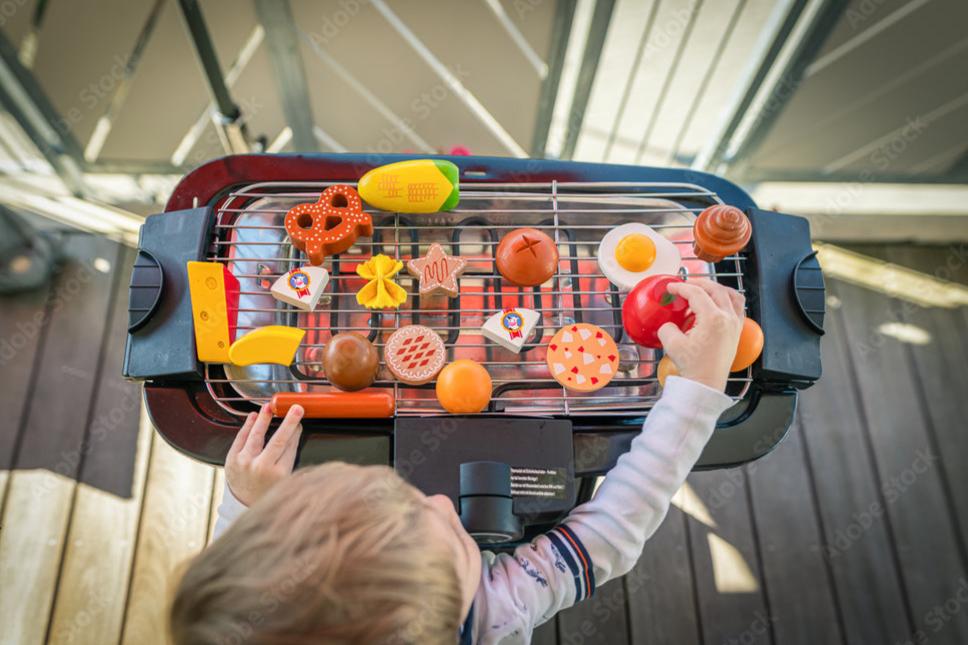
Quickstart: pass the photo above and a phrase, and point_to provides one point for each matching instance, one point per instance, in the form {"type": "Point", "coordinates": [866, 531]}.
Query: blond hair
{"type": "Point", "coordinates": [334, 554]}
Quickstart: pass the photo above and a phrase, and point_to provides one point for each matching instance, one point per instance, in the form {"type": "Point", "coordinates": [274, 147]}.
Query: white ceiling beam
{"type": "Point", "coordinates": [241, 61]}
{"type": "Point", "coordinates": [539, 66]}
{"type": "Point", "coordinates": [463, 94]}
{"type": "Point", "coordinates": [282, 42]}
{"type": "Point", "coordinates": [864, 199]}
{"type": "Point", "coordinates": [782, 21]}
{"type": "Point", "coordinates": [372, 99]}
{"type": "Point", "coordinates": [106, 122]}
{"type": "Point", "coordinates": [873, 212]}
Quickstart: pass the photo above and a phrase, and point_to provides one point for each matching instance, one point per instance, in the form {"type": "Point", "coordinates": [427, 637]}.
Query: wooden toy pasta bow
{"type": "Point", "coordinates": [381, 292]}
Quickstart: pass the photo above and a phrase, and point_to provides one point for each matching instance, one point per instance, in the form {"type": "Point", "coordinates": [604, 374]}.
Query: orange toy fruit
{"type": "Point", "coordinates": [666, 369]}
{"type": "Point", "coordinates": [464, 387]}
{"type": "Point", "coordinates": [750, 345]}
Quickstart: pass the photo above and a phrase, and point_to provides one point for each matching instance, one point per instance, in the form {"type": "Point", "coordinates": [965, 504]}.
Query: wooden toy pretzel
{"type": "Point", "coordinates": [329, 226]}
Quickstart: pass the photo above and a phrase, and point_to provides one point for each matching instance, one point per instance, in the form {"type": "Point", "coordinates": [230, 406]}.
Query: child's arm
{"type": "Point", "coordinates": [603, 538]}
{"type": "Point", "coordinates": [252, 466]}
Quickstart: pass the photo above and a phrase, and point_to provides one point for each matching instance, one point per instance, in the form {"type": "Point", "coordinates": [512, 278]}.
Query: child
{"type": "Point", "coordinates": [349, 554]}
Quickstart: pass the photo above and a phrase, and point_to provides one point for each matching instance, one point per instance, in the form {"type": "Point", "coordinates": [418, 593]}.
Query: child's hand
{"type": "Point", "coordinates": [705, 352]}
{"type": "Point", "coordinates": [250, 469]}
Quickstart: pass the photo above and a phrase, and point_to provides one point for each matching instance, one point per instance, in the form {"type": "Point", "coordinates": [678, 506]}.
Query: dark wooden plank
{"type": "Point", "coordinates": [113, 434]}
{"type": "Point", "coordinates": [41, 489]}
{"type": "Point", "coordinates": [801, 593]}
{"type": "Point", "coordinates": [857, 534]}
{"type": "Point", "coordinates": [729, 586]}
{"type": "Point", "coordinates": [102, 530]}
{"type": "Point", "coordinates": [599, 620]}
{"type": "Point", "coordinates": [930, 556]}
{"type": "Point", "coordinates": [661, 596]}
{"type": "Point", "coordinates": [939, 365]}
{"type": "Point", "coordinates": [22, 319]}
{"type": "Point", "coordinates": [59, 409]}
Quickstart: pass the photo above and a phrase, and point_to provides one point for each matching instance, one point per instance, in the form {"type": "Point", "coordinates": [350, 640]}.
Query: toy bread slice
{"type": "Point", "coordinates": [412, 186]}
{"type": "Point", "coordinates": [273, 344]}
{"type": "Point", "coordinates": [215, 306]}
{"type": "Point", "coordinates": [510, 328]}
{"type": "Point", "coordinates": [301, 287]}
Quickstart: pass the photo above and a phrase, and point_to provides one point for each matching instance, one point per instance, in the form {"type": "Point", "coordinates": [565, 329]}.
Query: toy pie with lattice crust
{"type": "Point", "coordinates": [330, 226]}
{"type": "Point", "coordinates": [414, 354]}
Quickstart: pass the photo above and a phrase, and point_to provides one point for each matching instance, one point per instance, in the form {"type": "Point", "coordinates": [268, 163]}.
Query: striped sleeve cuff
{"type": "Point", "coordinates": [576, 557]}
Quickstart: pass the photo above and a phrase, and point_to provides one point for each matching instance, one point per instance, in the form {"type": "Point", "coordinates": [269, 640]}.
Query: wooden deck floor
{"type": "Point", "coordinates": [852, 531]}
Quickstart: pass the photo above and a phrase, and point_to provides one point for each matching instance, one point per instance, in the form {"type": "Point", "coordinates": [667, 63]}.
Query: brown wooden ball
{"type": "Point", "coordinates": [527, 257]}
{"type": "Point", "coordinates": [350, 361]}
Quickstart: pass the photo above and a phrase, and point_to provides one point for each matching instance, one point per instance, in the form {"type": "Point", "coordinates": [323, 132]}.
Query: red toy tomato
{"type": "Point", "coordinates": [649, 306]}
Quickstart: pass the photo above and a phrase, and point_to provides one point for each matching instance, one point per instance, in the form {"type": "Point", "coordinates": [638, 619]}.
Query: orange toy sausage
{"type": "Point", "coordinates": [370, 404]}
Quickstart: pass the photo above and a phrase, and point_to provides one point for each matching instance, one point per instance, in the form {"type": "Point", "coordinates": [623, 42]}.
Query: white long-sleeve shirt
{"type": "Point", "coordinates": [599, 540]}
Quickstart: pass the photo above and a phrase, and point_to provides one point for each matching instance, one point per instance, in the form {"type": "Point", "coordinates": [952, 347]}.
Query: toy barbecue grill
{"type": "Point", "coordinates": [533, 452]}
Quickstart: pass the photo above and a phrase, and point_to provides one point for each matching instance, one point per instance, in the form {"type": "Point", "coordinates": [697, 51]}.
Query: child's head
{"type": "Point", "coordinates": [335, 554]}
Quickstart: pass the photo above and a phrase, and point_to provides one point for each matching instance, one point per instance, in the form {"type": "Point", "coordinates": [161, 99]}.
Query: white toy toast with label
{"type": "Point", "coordinates": [510, 328]}
{"type": "Point", "coordinates": [301, 287]}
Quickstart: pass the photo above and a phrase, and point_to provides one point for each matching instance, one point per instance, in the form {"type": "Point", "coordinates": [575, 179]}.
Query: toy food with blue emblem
{"type": "Point", "coordinates": [634, 251]}
{"type": "Point", "coordinates": [301, 287]}
{"type": "Point", "coordinates": [510, 328]}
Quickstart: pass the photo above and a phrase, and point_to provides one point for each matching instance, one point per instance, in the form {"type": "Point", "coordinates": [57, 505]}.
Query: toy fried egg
{"type": "Point", "coordinates": [631, 252]}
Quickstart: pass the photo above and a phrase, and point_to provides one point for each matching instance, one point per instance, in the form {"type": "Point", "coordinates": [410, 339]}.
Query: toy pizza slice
{"type": "Point", "coordinates": [511, 328]}
{"type": "Point", "coordinates": [301, 287]}
{"type": "Point", "coordinates": [414, 354]}
{"type": "Point", "coordinates": [582, 357]}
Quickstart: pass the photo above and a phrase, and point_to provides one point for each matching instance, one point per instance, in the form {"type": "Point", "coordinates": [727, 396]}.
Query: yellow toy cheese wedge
{"type": "Point", "coordinates": [413, 186]}
{"type": "Point", "coordinates": [215, 305]}
{"type": "Point", "coordinates": [273, 344]}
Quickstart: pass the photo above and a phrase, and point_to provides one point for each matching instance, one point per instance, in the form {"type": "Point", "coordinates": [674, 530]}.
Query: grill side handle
{"type": "Point", "coordinates": [161, 341]}
{"type": "Point", "coordinates": [786, 296]}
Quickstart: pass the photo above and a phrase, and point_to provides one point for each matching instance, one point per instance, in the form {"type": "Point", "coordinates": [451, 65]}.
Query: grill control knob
{"type": "Point", "coordinates": [486, 506]}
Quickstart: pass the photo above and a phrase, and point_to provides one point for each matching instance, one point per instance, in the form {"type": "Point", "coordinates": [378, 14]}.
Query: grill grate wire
{"type": "Point", "coordinates": [249, 236]}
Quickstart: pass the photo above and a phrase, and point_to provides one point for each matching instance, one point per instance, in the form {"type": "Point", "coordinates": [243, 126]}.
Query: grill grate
{"type": "Point", "coordinates": [250, 238]}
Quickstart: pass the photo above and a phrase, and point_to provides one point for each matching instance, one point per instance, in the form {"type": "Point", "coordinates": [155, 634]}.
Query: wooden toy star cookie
{"type": "Point", "coordinates": [437, 271]}
{"type": "Point", "coordinates": [329, 226]}
{"type": "Point", "coordinates": [582, 357]}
